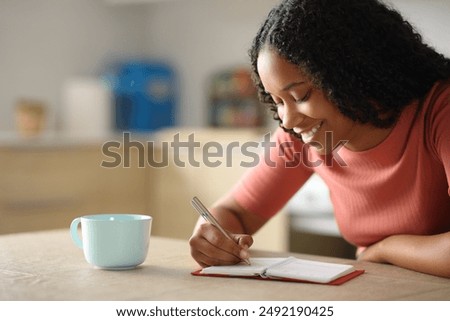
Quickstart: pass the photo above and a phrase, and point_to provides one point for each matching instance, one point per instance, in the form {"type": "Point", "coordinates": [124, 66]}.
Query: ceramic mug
{"type": "Point", "coordinates": [113, 241]}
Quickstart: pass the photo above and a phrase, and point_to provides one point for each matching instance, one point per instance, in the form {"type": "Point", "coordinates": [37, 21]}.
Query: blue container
{"type": "Point", "coordinates": [144, 96]}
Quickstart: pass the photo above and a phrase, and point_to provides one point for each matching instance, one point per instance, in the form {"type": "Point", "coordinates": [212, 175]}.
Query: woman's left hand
{"type": "Point", "coordinates": [370, 253]}
{"type": "Point", "coordinates": [423, 253]}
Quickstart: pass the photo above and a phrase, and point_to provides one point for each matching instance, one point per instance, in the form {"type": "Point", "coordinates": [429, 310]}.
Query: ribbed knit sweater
{"type": "Point", "coordinates": [401, 186]}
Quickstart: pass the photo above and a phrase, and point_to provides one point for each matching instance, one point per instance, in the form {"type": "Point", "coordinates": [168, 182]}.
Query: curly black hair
{"type": "Point", "coordinates": [367, 59]}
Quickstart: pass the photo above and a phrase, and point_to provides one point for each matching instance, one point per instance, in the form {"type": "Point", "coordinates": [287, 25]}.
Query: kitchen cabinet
{"type": "Point", "coordinates": [46, 187]}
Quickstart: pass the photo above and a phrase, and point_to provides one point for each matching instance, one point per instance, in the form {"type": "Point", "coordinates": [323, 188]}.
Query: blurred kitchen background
{"type": "Point", "coordinates": [77, 73]}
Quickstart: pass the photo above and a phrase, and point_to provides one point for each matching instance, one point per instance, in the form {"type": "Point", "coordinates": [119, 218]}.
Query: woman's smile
{"type": "Point", "coordinates": [308, 136]}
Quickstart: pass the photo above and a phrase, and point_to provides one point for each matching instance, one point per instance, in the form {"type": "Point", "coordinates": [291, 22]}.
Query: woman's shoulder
{"type": "Point", "coordinates": [435, 107]}
{"type": "Point", "coordinates": [434, 116]}
{"type": "Point", "coordinates": [438, 97]}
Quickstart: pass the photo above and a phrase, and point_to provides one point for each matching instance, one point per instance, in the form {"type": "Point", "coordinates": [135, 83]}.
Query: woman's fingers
{"type": "Point", "coordinates": [210, 247]}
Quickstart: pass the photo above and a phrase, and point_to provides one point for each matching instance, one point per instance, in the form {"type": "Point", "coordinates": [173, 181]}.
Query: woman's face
{"type": "Point", "coordinates": [303, 108]}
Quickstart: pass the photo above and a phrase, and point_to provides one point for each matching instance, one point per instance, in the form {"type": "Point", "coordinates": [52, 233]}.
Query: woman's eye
{"type": "Point", "coordinates": [304, 98]}
{"type": "Point", "coordinates": [277, 102]}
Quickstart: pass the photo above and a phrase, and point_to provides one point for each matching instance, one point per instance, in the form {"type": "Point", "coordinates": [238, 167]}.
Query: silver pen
{"type": "Point", "coordinates": [203, 211]}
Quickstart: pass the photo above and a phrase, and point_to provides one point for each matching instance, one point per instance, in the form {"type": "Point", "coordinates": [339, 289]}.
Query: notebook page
{"type": "Point", "coordinates": [309, 270]}
{"type": "Point", "coordinates": [257, 267]}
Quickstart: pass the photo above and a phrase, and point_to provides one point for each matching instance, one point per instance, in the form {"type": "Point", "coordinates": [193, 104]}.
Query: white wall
{"type": "Point", "coordinates": [44, 42]}
{"type": "Point", "coordinates": [201, 37]}
{"type": "Point", "coordinates": [431, 18]}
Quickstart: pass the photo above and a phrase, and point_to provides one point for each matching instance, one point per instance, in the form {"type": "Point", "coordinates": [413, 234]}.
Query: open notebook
{"type": "Point", "coordinates": [286, 269]}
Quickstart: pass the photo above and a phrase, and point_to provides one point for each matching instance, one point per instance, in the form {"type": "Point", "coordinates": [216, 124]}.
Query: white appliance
{"type": "Point", "coordinates": [87, 108]}
{"type": "Point", "coordinates": [311, 210]}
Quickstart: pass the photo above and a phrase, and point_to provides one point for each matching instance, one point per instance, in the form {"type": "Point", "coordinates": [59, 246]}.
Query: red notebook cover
{"type": "Point", "coordinates": [338, 281]}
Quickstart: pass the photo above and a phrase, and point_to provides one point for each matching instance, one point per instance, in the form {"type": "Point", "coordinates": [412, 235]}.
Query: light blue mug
{"type": "Point", "coordinates": [113, 241]}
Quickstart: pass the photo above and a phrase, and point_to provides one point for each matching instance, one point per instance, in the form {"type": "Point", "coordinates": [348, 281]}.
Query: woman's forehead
{"type": "Point", "coordinates": [276, 72]}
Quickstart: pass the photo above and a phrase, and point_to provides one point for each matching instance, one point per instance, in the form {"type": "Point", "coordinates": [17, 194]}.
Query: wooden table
{"type": "Point", "coordinates": [48, 266]}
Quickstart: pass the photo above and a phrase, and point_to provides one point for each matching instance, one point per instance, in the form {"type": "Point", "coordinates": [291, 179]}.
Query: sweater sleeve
{"type": "Point", "coordinates": [280, 172]}
{"type": "Point", "coordinates": [440, 129]}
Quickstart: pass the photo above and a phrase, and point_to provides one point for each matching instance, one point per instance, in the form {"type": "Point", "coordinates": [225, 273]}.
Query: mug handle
{"type": "Point", "coordinates": [74, 232]}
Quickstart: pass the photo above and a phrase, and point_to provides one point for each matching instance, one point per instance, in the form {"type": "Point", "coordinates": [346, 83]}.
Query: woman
{"type": "Point", "coordinates": [366, 105]}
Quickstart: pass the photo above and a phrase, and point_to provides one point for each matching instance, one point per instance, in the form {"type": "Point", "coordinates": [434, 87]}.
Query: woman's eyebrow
{"type": "Point", "coordinates": [290, 86]}
{"type": "Point", "coordinates": [293, 84]}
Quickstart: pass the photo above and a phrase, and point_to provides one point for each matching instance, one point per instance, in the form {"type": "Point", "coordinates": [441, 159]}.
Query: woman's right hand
{"type": "Point", "coordinates": [210, 247]}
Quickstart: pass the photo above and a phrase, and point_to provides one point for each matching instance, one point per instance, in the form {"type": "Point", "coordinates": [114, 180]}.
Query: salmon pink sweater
{"type": "Point", "coordinates": [401, 186]}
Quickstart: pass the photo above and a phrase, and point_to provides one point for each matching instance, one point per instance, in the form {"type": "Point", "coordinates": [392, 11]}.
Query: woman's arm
{"type": "Point", "coordinates": [210, 247]}
{"type": "Point", "coordinates": [423, 253]}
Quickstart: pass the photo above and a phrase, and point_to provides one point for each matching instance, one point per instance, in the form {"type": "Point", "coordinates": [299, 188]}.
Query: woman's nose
{"type": "Point", "coordinates": [291, 117]}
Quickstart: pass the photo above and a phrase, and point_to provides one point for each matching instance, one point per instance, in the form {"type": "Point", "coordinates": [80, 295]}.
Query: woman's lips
{"type": "Point", "coordinates": [307, 136]}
